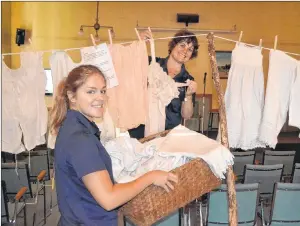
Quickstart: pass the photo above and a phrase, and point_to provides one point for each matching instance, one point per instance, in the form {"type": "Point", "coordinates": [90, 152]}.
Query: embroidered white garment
{"type": "Point", "coordinates": [244, 97]}
{"type": "Point", "coordinates": [11, 130]}
{"type": "Point", "coordinates": [131, 159]}
{"type": "Point", "coordinates": [31, 115]}
{"type": "Point", "coordinates": [162, 89]}
{"type": "Point", "coordinates": [281, 79]}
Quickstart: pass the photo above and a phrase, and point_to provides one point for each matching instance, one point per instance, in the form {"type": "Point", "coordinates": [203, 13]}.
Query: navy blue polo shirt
{"type": "Point", "coordinates": [173, 110]}
{"type": "Point", "coordinates": [78, 152]}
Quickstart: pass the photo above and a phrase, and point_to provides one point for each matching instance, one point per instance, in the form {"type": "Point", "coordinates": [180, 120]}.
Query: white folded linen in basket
{"type": "Point", "coordinates": [131, 159]}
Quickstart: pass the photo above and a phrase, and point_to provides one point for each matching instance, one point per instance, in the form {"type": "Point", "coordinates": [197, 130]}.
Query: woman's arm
{"type": "Point", "coordinates": [187, 107]}
{"type": "Point", "coordinates": [110, 196]}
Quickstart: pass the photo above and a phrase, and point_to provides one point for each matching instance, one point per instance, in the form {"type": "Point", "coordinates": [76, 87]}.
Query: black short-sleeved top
{"type": "Point", "coordinates": [78, 152]}
{"type": "Point", "coordinates": [173, 110]}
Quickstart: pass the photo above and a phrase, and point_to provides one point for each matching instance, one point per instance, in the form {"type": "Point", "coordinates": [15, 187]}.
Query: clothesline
{"type": "Point", "coordinates": [230, 40]}
{"type": "Point", "coordinates": [296, 54]}
{"type": "Point", "coordinates": [77, 48]}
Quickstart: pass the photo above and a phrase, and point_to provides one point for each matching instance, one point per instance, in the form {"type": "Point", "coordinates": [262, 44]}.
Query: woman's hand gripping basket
{"type": "Point", "coordinates": [194, 179]}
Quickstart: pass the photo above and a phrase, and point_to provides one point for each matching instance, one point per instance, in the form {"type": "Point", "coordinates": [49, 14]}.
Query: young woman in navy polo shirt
{"type": "Point", "coordinates": [86, 191]}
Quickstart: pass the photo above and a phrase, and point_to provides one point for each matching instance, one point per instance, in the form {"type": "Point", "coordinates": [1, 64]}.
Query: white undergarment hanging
{"type": "Point", "coordinates": [27, 111]}
{"type": "Point", "coordinates": [11, 130]}
{"type": "Point", "coordinates": [162, 89]}
{"type": "Point", "coordinates": [244, 97]}
{"type": "Point", "coordinates": [61, 64]}
{"type": "Point", "coordinates": [294, 109]}
{"type": "Point", "coordinates": [281, 78]}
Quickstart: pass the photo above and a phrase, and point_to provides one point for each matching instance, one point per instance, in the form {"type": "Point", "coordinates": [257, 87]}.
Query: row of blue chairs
{"type": "Point", "coordinates": [285, 206]}
{"type": "Point", "coordinates": [284, 209]}
{"type": "Point", "coordinates": [269, 158]}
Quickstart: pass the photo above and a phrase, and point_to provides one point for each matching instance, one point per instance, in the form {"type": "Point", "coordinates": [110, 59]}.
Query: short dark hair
{"type": "Point", "coordinates": [191, 39]}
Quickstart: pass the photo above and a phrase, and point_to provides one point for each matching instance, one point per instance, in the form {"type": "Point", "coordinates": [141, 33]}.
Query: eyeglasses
{"type": "Point", "coordinates": [184, 45]}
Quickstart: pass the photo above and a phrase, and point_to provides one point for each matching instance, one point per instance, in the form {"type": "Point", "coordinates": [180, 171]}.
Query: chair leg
{"type": "Point", "coordinates": [262, 214]}
{"type": "Point", "coordinates": [51, 201]}
{"type": "Point", "coordinates": [15, 213]}
{"type": "Point", "coordinates": [200, 209]}
{"type": "Point", "coordinates": [25, 217]}
{"type": "Point", "coordinates": [180, 216]}
{"type": "Point", "coordinates": [185, 216]}
{"type": "Point", "coordinates": [44, 192]}
{"type": "Point", "coordinates": [34, 219]}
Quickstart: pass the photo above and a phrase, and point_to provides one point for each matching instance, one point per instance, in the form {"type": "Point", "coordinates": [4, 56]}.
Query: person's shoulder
{"type": "Point", "coordinates": [157, 59]}
{"type": "Point", "coordinates": [78, 137]}
{"type": "Point", "coordinates": [74, 136]}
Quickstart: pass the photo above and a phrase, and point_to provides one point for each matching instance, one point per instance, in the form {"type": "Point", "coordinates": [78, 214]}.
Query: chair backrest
{"type": "Point", "coordinates": [286, 205]}
{"type": "Point", "coordinates": [280, 157]}
{"type": "Point", "coordinates": [296, 173]}
{"type": "Point", "coordinates": [4, 206]}
{"type": "Point", "coordinates": [171, 220]}
{"type": "Point", "coordinates": [265, 175]}
{"type": "Point", "coordinates": [14, 182]}
{"type": "Point", "coordinates": [39, 160]}
{"type": "Point", "coordinates": [247, 202]}
{"type": "Point", "coordinates": [240, 160]}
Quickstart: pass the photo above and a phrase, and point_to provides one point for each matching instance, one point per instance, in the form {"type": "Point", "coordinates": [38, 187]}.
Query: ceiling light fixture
{"type": "Point", "coordinates": [96, 26]}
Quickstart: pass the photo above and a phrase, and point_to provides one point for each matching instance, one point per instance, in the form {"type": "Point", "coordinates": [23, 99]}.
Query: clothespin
{"type": "Point", "coordinates": [260, 43]}
{"type": "Point", "coordinates": [110, 36]}
{"type": "Point", "coordinates": [93, 40]}
{"type": "Point", "coordinates": [150, 32]}
{"type": "Point", "coordinates": [118, 131]}
{"type": "Point", "coordinates": [137, 34]}
{"type": "Point", "coordinates": [275, 42]}
{"type": "Point", "coordinates": [240, 38]}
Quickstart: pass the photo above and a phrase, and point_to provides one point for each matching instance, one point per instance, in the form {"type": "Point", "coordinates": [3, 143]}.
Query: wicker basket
{"type": "Point", "coordinates": [154, 203]}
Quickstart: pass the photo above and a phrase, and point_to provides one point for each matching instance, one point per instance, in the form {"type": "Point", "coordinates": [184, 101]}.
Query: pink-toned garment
{"type": "Point", "coordinates": [127, 103]}
{"type": "Point", "coordinates": [25, 114]}
{"type": "Point", "coordinates": [162, 89]}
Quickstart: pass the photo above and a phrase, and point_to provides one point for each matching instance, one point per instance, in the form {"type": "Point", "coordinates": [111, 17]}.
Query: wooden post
{"type": "Point", "coordinates": [232, 212]}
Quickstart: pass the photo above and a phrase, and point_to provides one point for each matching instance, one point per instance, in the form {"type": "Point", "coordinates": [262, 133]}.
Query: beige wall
{"type": "Point", "coordinates": [5, 31]}
{"type": "Point", "coordinates": [55, 25]}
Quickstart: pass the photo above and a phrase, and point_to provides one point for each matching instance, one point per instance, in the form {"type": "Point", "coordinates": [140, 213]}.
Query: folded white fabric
{"type": "Point", "coordinates": [190, 144]}
{"type": "Point", "coordinates": [131, 159]}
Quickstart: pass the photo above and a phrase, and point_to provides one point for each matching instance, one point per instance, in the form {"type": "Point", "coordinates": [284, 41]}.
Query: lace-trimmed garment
{"type": "Point", "coordinates": [162, 89]}
{"type": "Point", "coordinates": [280, 86]}
{"type": "Point", "coordinates": [244, 97]}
